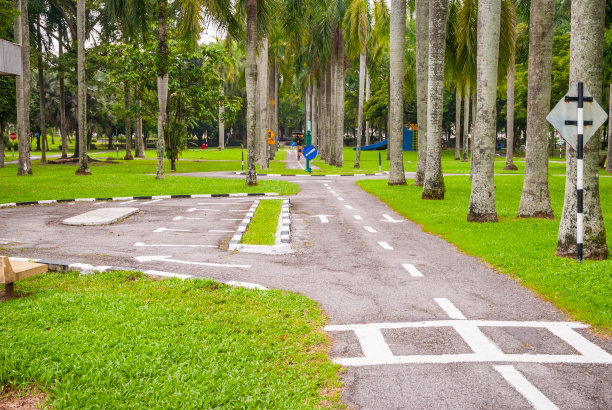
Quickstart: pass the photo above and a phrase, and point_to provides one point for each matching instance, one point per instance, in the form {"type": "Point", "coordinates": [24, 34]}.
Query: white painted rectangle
{"type": "Point", "coordinates": [386, 246]}
{"type": "Point", "coordinates": [450, 309]}
{"type": "Point", "coordinates": [369, 229]}
{"type": "Point", "coordinates": [412, 270]}
{"type": "Point", "coordinates": [535, 397]}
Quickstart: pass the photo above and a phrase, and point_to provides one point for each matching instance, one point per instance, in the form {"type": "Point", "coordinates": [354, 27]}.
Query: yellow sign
{"type": "Point", "coordinates": [270, 137]}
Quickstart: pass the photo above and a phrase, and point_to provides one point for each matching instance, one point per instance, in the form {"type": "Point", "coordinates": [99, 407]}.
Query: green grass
{"type": "Point", "coordinates": [123, 340]}
{"type": "Point", "coordinates": [125, 178]}
{"type": "Point", "coordinates": [262, 228]}
{"type": "Point", "coordinates": [523, 248]}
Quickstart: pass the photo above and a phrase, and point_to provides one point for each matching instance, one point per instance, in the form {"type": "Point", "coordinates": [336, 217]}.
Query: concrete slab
{"type": "Point", "coordinates": [101, 216]}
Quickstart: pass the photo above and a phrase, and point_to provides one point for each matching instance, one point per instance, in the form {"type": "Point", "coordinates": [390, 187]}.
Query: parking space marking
{"type": "Point", "coordinates": [484, 350]}
{"type": "Point", "coordinates": [158, 230]}
{"type": "Point", "coordinates": [358, 217]}
{"type": "Point", "coordinates": [171, 245]}
{"type": "Point", "coordinates": [152, 201]}
{"type": "Point", "coordinates": [450, 309]}
{"type": "Point", "coordinates": [534, 396]}
{"type": "Point", "coordinates": [224, 203]}
{"type": "Point", "coordinates": [238, 210]}
{"type": "Point", "coordinates": [386, 246]}
{"type": "Point", "coordinates": [369, 229]}
{"type": "Point", "coordinates": [412, 270]}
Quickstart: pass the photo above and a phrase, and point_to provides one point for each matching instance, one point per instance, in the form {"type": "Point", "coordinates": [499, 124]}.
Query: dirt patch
{"type": "Point", "coordinates": [31, 398]}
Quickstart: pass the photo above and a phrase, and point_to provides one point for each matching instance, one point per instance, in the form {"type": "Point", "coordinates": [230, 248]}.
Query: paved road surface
{"type": "Point", "coordinates": [417, 323]}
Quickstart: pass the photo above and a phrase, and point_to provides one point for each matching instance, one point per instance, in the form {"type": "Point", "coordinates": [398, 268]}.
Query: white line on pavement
{"type": "Point", "coordinates": [369, 229]}
{"type": "Point", "coordinates": [358, 217]}
{"type": "Point", "coordinates": [450, 309]}
{"type": "Point", "coordinates": [524, 387]}
{"type": "Point", "coordinates": [386, 246]}
{"type": "Point", "coordinates": [414, 272]}
{"type": "Point", "coordinates": [230, 219]}
{"type": "Point", "coordinates": [220, 231]}
{"type": "Point", "coordinates": [152, 201]}
{"type": "Point", "coordinates": [340, 199]}
{"type": "Point", "coordinates": [390, 219]}
{"type": "Point", "coordinates": [238, 210]}
{"type": "Point", "coordinates": [127, 202]}
{"type": "Point", "coordinates": [224, 203]}
{"type": "Point", "coordinates": [178, 218]}
{"type": "Point", "coordinates": [167, 259]}
{"type": "Point", "coordinates": [323, 218]}
{"type": "Point", "coordinates": [142, 244]}
{"type": "Point", "coordinates": [202, 209]}
{"type": "Point", "coordinates": [158, 230]}
{"type": "Point", "coordinates": [348, 207]}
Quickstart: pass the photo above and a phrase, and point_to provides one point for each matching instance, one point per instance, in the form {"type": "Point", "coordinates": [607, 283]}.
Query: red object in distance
{"type": "Point", "coordinates": [203, 146]}
{"type": "Point", "coordinates": [13, 136]}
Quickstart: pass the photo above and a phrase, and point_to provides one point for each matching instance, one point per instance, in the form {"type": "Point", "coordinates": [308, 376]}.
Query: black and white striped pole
{"type": "Point", "coordinates": [580, 171]}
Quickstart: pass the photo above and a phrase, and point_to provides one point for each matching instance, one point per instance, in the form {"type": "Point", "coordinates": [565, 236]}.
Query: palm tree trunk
{"type": "Point", "coordinates": [221, 122]}
{"type": "Point", "coordinates": [62, 97]}
{"type": "Point", "coordinates": [362, 74]}
{"type": "Point", "coordinates": [482, 198]}
{"type": "Point", "coordinates": [466, 125]}
{"type": "Point", "coordinates": [82, 91]}
{"type": "Point", "coordinates": [422, 74]}
{"type": "Point", "coordinates": [586, 59]}
{"type": "Point", "coordinates": [474, 112]}
{"type": "Point", "coordinates": [262, 101]}
{"type": "Point", "coordinates": [315, 114]}
{"type": "Point", "coordinates": [339, 143]}
{"type": "Point", "coordinates": [162, 83]}
{"type": "Point", "coordinates": [271, 104]}
{"type": "Point", "coordinates": [367, 98]}
{"type": "Point", "coordinates": [332, 104]}
{"type": "Point", "coordinates": [457, 124]}
{"type": "Point", "coordinates": [609, 164]}
{"type": "Point", "coordinates": [140, 143]}
{"type": "Point", "coordinates": [306, 106]}
{"type": "Point", "coordinates": [251, 90]}
{"type": "Point", "coordinates": [433, 185]}
{"type": "Point", "coordinates": [276, 102]}
{"type": "Point", "coordinates": [127, 122]}
{"type": "Point", "coordinates": [325, 113]}
{"type": "Point", "coordinates": [1, 143]}
{"type": "Point", "coordinates": [510, 120]}
{"type": "Point", "coordinates": [41, 96]}
{"type": "Point", "coordinates": [22, 88]}
{"type": "Point", "coordinates": [535, 199]}
{"type": "Point", "coordinates": [397, 38]}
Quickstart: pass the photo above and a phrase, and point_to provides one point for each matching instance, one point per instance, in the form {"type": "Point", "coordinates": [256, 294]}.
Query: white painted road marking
{"type": "Point", "coordinates": [328, 187]}
{"type": "Point", "coordinates": [238, 210]}
{"type": "Point", "coordinates": [414, 272]}
{"type": "Point", "coordinates": [524, 387]}
{"type": "Point", "coordinates": [168, 259]}
{"type": "Point", "coordinates": [358, 217]}
{"type": "Point", "coordinates": [323, 218]}
{"type": "Point", "coordinates": [158, 230]}
{"type": "Point", "coordinates": [223, 203]}
{"type": "Point", "coordinates": [386, 246]}
{"type": "Point", "coordinates": [202, 209]}
{"type": "Point", "coordinates": [484, 349]}
{"type": "Point", "coordinates": [246, 285]}
{"type": "Point", "coordinates": [127, 202]}
{"type": "Point", "coordinates": [450, 309]}
{"type": "Point", "coordinates": [152, 201]}
{"type": "Point", "coordinates": [348, 207]}
{"type": "Point", "coordinates": [230, 219]}
{"type": "Point", "coordinates": [390, 219]}
{"type": "Point", "coordinates": [332, 192]}
{"type": "Point", "coordinates": [220, 231]}
{"type": "Point", "coordinates": [169, 245]}
{"type": "Point", "coordinates": [340, 199]}
{"type": "Point", "coordinates": [369, 229]}
{"type": "Point", "coordinates": [178, 218]}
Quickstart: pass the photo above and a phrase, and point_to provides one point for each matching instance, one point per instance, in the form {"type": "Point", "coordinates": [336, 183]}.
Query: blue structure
{"type": "Point", "coordinates": [409, 142]}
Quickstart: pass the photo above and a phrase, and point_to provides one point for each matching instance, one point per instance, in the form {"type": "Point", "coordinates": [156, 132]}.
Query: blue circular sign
{"type": "Point", "coordinates": [310, 152]}
{"type": "Point", "coordinates": [293, 143]}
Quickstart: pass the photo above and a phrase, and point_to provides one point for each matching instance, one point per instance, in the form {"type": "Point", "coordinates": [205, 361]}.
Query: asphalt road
{"type": "Point", "coordinates": [416, 323]}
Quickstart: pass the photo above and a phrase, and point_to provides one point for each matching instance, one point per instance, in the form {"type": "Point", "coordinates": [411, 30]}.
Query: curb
{"type": "Point", "coordinates": [283, 241]}
{"type": "Point", "coordinates": [86, 269]}
{"type": "Point", "coordinates": [129, 198]}
{"type": "Point", "coordinates": [310, 175]}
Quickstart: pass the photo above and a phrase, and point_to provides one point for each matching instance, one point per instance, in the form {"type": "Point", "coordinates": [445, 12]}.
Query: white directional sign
{"type": "Point", "coordinates": [564, 116]}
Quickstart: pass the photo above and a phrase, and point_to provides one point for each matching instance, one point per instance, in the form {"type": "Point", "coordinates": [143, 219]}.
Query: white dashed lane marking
{"type": "Point", "coordinates": [348, 207]}
{"type": "Point", "coordinates": [152, 202]}
{"type": "Point", "coordinates": [369, 229]}
{"type": "Point", "coordinates": [340, 199]}
{"type": "Point", "coordinates": [170, 245]}
{"type": "Point", "coordinates": [390, 219]}
{"type": "Point", "coordinates": [127, 202]}
{"type": "Point", "coordinates": [414, 272]}
{"type": "Point", "coordinates": [158, 230]}
{"type": "Point", "coordinates": [450, 309]}
{"type": "Point", "coordinates": [386, 246]}
{"type": "Point", "coordinates": [516, 379]}
{"type": "Point", "coordinates": [219, 231]}
{"type": "Point", "coordinates": [358, 217]}
{"type": "Point", "coordinates": [178, 218]}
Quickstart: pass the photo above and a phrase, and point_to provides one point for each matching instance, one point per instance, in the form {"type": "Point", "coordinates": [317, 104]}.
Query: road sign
{"type": "Point", "coordinates": [203, 146]}
{"type": "Point", "coordinates": [293, 143]}
{"type": "Point", "coordinates": [310, 152]}
{"type": "Point", "coordinates": [13, 136]}
{"type": "Point", "coordinates": [564, 116]}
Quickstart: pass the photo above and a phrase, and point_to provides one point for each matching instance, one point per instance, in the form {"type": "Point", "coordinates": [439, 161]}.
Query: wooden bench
{"type": "Point", "coordinates": [12, 271]}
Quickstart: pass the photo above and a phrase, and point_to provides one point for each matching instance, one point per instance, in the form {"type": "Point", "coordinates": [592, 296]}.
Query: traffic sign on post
{"type": "Point", "coordinates": [310, 152]}
{"type": "Point", "coordinates": [577, 117]}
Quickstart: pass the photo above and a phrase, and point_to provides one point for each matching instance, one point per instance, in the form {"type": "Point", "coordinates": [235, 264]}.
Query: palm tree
{"type": "Point", "coordinates": [162, 82]}
{"type": "Point", "coordinates": [433, 185]}
{"type": "Point", "coordinates": [422, 62]}
{"type": "Point", "coordinates": [262, 104]}
{"type": "Point", "coordinates": [586, 65]}
{"type": "Point", "coordinates": [609, 164]}
{"type": "Point", "coordinates": [251, 89]}
{"type": "Point", "coordinates": [83, 168]}
{"type": "Point", "coordinates": [510, 119]}
{"type": "Point", "coordinates": [482, 198]}
{"type": "Point", "coordinates": [22, 88]}
{"type": "Point", "coordinates": [535, 199]}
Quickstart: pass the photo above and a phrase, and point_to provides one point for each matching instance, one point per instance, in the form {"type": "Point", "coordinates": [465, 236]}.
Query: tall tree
{"type": "Point", "coordinates": [535, 199]}
{"type": "Point", "coordinates": [510, 119]}
{"type": "Point", "coordinates": [83, 168]}
{"type": "Point", "coordinates": [422, 73]}
{"type": "Point", "coordinates": [482, 198]}
{"type": "Point", "coordinates": [609, 164]}
{"type": "Point", "coordinates": [22, 88]}
{"type": "Point", "coordinates": [586, 65]}
{"type": "Point", "coordinates": [41, 94]}
{"type": "Point", "coordinates": [397, 38]}
{"type": "Point", "coordinates": [433, 185]}
{"type": "Point", "coordinates": [251, 90]}
{"type": "Point", "coordinates": [162, 82]}
{"type": "Point", "coordinates": [457, 124]}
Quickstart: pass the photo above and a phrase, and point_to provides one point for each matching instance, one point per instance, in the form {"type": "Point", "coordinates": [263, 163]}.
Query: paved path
{"type": "Point", "coordinates": [417, 323]}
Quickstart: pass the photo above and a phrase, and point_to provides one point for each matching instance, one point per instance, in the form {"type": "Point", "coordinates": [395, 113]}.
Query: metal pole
{"type": "Point", "coordinates": [308, 142]}
{"type": "Point", "coordinates": [242, 151]}
{"type": "Point", "coordinates": [379, 162]}
{"type": "Point", "coordinates": [580, 172]}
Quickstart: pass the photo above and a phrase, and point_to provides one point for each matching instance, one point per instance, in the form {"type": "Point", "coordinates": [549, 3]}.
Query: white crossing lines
{"type": "Point", "coordinates": [412, 270]}
{"type": "Point", "coordinates": [178, 218]}
{"type": "Point", "coordinates": [524, 387]}
{"type": "Point", "coordinates": [202, 209]}
{"type": "Point", "coordinates": [450, 309]}
{"type": "Point", "coordinates": [164, 258]}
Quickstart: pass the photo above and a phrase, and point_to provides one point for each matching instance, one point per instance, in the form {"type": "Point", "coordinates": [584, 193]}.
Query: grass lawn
{"type": "Point", "coordinates": [125, 178]}
{"type": "Point", "coordinates": [123, 340]}
{"type": "Point", "coordinates": [262, 228]}
{"type": "Point", "coordinates": [523, 248]}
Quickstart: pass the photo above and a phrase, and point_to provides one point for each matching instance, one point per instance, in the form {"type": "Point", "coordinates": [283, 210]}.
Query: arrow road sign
{"type": "Point", "coordinates": [564, 116]}
{"type": "Point", "coordinates": [310, 152]}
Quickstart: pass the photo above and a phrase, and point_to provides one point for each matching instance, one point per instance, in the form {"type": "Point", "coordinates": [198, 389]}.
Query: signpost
{"type": "Point", "coordinates": [312, 151]}
{"type": "Point", "coordinates": [568, 117]}
{"type": "Point", "coordinates": [13, 137]}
